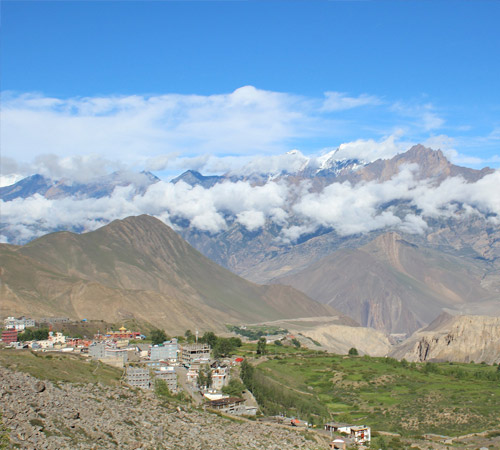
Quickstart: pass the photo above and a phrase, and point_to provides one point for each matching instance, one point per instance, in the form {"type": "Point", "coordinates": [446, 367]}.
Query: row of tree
{"type": "Point", "coordinates": [221, 347]}
{"type": "Point", "coordinates": [33, 334]}
{"type": "Point", "coordinates": [275, 398]}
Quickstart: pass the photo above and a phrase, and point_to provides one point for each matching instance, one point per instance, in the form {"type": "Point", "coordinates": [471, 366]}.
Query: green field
{"type": "Point", "coordinates": [59, 367]}
{"type": "Point", "coordinates": [441, 398]}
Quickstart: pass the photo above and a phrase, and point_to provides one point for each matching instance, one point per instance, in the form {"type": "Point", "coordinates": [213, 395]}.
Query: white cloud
{"type": "Point", "coordinates": [339, 101]}
{"type": "Point", "coordinates": [251, 220]}
{"type": "Point", "coordinates": [424, 116]}
{"type": "Point", "coordinates": [289, 162]}
{"type": "Point", "coordinates": [371, 150]}
{"type": "Point", "coordinates": [127, 127]}
{"type": "Point", "coordinates": [360, 208]}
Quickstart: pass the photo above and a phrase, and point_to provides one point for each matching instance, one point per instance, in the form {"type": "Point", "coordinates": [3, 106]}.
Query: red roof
{"type": "Point", "coordinates": [238, 360]}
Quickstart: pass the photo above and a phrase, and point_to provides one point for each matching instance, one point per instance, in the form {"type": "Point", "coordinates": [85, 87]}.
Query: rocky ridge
{"type": "Point", "coordinates": [64, 416]}
{"type": "Point", "coordinates": [454, 338]}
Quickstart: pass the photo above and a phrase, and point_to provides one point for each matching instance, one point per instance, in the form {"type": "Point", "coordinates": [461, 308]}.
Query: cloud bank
{"type": "Point", "coordinates": [402, 203]}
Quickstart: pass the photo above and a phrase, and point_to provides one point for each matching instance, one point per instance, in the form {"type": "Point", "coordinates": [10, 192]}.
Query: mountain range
{"type": "Point", "coordinates": [96, 188]}
{"type": "Point", "coordinates": [391, 243]}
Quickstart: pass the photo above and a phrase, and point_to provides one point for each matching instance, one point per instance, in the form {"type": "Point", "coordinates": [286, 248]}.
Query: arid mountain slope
{"type": "Point", "coordinates": [454, 338]}
{"type": "Point", "coordinates": [137, 268]}
{"type": "Point", "coordinates": [393, 285]}
{"type": "Point", "coordinates": [432, 165]}
{"type": "Point", "coordinates": [262, 254]}
{"type": "Point", "coordinates": [341, 338]}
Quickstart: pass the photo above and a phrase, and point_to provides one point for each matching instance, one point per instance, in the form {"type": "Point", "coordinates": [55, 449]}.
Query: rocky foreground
{"type": "Point", "coordinates": [44, 415]}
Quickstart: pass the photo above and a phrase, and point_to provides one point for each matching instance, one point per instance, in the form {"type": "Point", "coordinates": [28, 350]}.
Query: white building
{"type": "Point", "coordinates": [360, 434]}
{"type": "Point", "coordinates": [54, 339]}
{"type": "Point", "coordinates": [19, 324]}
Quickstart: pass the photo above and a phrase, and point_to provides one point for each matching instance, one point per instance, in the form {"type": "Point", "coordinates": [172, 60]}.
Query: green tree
{"type": "Point", "coordinates": [209, 338]}
{"type": "Point", "coordinates": [204, 377]}
{"type": "Point", "coordinates": [27, 335]}
{"type": "Point", "coordinates": [158, 336]}
{"type": "Point", "coordinates": [235, 342]}
{"type": "Point", "coordinates": [223, 348]}
{"type": "Point", "coordinates": [201, 380]}
{"type": "Point", "coordinates": [161, 389]}
{"type": "Point", "coordinates": [41, 334]}
{"type": "Point", "coordinates": [353, 351]}
{"type": "Point", "coordinates": [296, 342]}
{"type": "Point", "coordinates": [247, 374]}
{"type": "Point", "coordinates": [261, 346]}
{"type": "Point", "coordinates": [208, 376]}
{"type": "Point", "coordinates": [234, 388]}
{"type": "Point", "coordinates": [278, 343]}
{"type": "Point", "coordinates": [189, 336]}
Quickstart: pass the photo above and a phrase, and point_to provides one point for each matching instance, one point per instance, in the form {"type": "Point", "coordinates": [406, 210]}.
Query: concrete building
{"type": "Point", "coordinates": [230, 405]}
{"type": "Point", "coordinates": [20, 324]}
{"type": "Point", "coordinates": [9, 336]}
{"type": "Point", "coordinates": [108, 354]}
{"type": "Point", "coordinates": [155, 365]}
{"type": "Point", "coordinates": [53, 320]}
{"type": "Point", "coordinates": [54, 340]}
{"type": "Point", "coordinates": [138, 377]}
{"type": "Point", "coordinates": [220, 377]}
{"type": "Point", "coordinates": [194, 352]}
{"type": "Point", "coordinates": [96, 351]}
{"type": "Point", "coordinates": [164, 352]}
{"type": "Point", "coordinates": [168, 375]}
{"type": "Point", "coordinates": [192, 376]}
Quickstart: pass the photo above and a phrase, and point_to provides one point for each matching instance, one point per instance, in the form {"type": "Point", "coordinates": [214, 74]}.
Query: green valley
{"type": "Point", "coordinates": [386, 394]}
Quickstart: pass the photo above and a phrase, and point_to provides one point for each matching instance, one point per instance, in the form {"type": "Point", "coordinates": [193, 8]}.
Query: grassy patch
{"type": "Point", "coordinates": [60, 367]}
{"type": "Point", "coordinates": [386, 394]}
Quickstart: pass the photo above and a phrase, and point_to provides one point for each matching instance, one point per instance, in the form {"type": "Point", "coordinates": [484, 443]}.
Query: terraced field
{"type": "Point", "coordinates": [411, 399]}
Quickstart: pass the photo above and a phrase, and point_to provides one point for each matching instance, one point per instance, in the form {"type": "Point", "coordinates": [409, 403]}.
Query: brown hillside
{"type": "Point", "coordinates": [392, 285]}
{"type": "Point", "coordinates": [137, 268]}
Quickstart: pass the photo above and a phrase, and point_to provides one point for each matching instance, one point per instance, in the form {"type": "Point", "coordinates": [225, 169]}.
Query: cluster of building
{"type": "Point", "coordinates": [19, 323]}
{"type": "Point", "coordinates": [145, 363]}
{"type": "Point", "coordinates": [12, 326]}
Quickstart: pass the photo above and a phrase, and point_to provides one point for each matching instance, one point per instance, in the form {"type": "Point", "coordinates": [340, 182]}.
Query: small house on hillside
{"type": "Point", "coordinates": [360, 434]}
{"type": "Point", "coordinates": [232, 405]}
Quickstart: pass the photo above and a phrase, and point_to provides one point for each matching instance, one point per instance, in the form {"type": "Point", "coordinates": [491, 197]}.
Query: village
{"type": "Point", "coordinates": [182, 367]}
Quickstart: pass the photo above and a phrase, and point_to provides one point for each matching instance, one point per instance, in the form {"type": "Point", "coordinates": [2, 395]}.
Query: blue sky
{"type": "Point", "coordinates": [164, 85]}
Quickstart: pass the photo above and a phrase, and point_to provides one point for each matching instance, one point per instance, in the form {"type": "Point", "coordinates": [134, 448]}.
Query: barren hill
{"type": "Point", "coordinates": [137, 268]}
{"type": "Point", "coordinates": [393, 285]}
{"type": "Point", "coordinates": [461, 338]}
